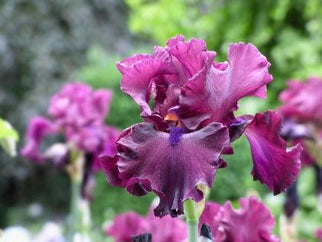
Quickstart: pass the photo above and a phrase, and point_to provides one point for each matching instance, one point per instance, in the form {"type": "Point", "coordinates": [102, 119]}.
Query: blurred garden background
{"type": "Point", "coordinates": [44, 44]}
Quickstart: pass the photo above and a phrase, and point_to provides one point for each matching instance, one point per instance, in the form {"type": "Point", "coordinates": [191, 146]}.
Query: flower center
{"type": "Point", "coordinates": [175, 134]}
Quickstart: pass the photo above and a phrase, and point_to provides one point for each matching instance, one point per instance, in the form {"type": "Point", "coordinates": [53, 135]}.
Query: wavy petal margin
{"type": "Point", "coordinates": [170, 164]}
{"type": "Point", "coordinates": [251, 222]}
{"type": "Point", "coordinates": [215, 93]}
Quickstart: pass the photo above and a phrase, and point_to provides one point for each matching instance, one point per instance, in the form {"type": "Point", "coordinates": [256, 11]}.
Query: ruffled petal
{"type": "Point", "coordinates": [273, 163]}
{"type": "Point", "coordinates": [172, 165]}
{"type": "Point", "coordinates": [209, 217]}
{"type": "Point", "coordinates": [252, 222]}
{"type": "Point", "coordinates": [192, 55]}
{"type": "Point", "coordinates": [127, 225]}
{"type": "Point", "coordinates": [78, 105]}
{"type": "Point", "coordinates": [37, 129]}
{"type": "Point", "coordinates": [137, 78]}
{"type": "Point", "coordinates": [215, 92]}
{"type": "Point", "coordinates": [167, 228]}
{"type": "Point", "coordinates": [164, 229]}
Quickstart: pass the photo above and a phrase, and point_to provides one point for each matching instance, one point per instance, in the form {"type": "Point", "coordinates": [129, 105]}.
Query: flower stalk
{"type": "Point", "coordinates": [79, 221]}
{"type": "Point", "coordinates": [192, 219]}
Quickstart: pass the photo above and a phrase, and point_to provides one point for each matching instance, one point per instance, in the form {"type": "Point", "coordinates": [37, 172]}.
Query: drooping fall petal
{"type": "Point", "coordinates": [170, 164]}
{"type": "Point", "coordinates": [273, 163]}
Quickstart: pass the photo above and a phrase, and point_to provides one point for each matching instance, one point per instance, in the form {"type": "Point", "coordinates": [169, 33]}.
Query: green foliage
{"type": "Point", "coordinates": [288, 32]}
{"type": "Point", "coordinates": [8, 137]}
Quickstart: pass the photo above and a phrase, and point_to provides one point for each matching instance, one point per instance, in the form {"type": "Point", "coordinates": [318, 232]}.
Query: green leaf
{"type": "Point", "coordinates": [8, 137]}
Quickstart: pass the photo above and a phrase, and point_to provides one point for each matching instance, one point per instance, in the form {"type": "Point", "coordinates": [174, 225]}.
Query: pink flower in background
{"type": "Point", "coordinates": [191, 123]}
{"type": "Point", "coordinates": [252, 222]}
{"type": "Point", "coordinates": [302, 100]}
{"type": "Point", "coordinates": [127, 225]}
{"type": "Point", "coordinates": [302, 114]}
{"type": "Point", "coordinates": [78, 113]}
{"type": "Point", "coordinates": [318, 234]}
{"type": "Point", "coordinates": [302, 120]}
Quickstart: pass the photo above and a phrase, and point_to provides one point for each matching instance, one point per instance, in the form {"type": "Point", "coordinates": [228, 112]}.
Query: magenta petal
{"type": "Point", "coordinates": [167, 229]}
{"type": "Point", "coordinates": [172, 165]}
{"type": "Point", "coordinates": [252, 222]}
{"type": "Point", "coordinates": [215, 92]}
{"type": "Point", "coordinates": [175, 40]}
{"type": "Point", "coordinates": [127, 225]}
{"type": "Point", "coordinates": [274, 164]}
{"type": "Point", "coordinates": [138, 77]}
{"type": "Point", "coordinates": [192, 55]}
{"type": "Point", "coordinates": [302, 100]}
{"type": "Point", "coordinates": [111, 171]}
{"type": "Point", "coordinates": [101, 101]}
{"type": "Point", "coordinates": [38, 128]}
{"type": "Point", "coordinates": [209, 217]}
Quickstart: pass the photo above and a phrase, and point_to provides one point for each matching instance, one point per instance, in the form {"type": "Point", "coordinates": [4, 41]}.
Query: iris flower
{"type": "Point", "coordinates": [251, 222]}
{"type": "Point", "coordinates": [302, 114]}
{"type": "Point", "coordinates": [187, 101]}
{"type": "Point", "coordinates": [302, 124]}
{"type": "Point", "coordinates": [77, 113]}
{"type": "Point", "coordinates": [128, 225]}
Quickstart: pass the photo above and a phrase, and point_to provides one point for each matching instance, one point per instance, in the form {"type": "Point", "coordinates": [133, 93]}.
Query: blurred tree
{"type": "Point", "coordinates": [42, 43]}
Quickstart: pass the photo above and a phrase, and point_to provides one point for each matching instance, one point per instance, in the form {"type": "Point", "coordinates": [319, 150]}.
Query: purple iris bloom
{"type": "Point", "coordinates": [78, 113]}
{"type": "Point", "coordinates": [187, 101]}
{"type": "Point", "coordinates": [302, 114]}
{"type": "Point", "coordinates": [128, 225]}
{"type": "Point", "coordinates": [251, 222]}
{"type": "Point", "coordinates": [302, 120]}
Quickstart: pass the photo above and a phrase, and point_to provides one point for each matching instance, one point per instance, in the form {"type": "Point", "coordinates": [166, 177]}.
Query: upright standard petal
{"type": "Point", "coordinates": [253, 222]}
{"type": "Point", "coordinates": [192, 56]}
{"type": "Point", "coordinates": [38, 128]}
{"type": "Point", "coordinates": [273, 163]}
{"type": "Point", "coordinates": [170, 164]}
{"type": "Point", "coordinates": [214, 94]}
{"type": "Point", "coordinates": [138, 74]}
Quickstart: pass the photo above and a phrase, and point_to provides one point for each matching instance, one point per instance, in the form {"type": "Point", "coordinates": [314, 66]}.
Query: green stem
{"type": "Point", "coordinates": [74, 219]}
{"type": "Point", "coordinates": [192, 220]}
{"type": "Point", "coordinates": [192, 231]}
